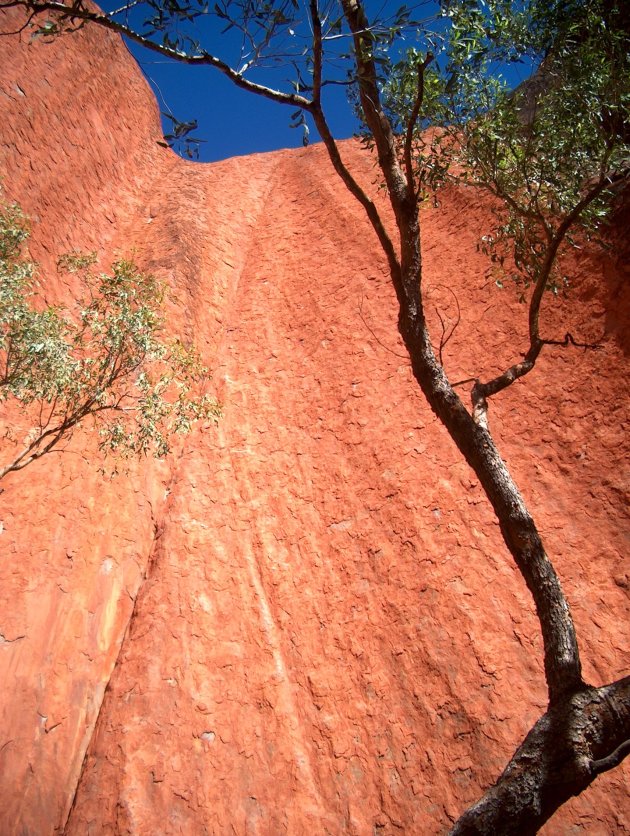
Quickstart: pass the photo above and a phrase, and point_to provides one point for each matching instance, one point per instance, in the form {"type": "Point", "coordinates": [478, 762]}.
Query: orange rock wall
{"type": "Point", "coordinates": [305, 620]}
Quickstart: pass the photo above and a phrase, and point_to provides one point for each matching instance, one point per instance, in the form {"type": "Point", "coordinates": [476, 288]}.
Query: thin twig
{"type": "Point", "coordinates": [444, 340]}
{"type": "Point", "coordinates": [411, 125]}
{"type": "Point", "coordinates": [568, 338]}
{"type": "Point", "coordinates": [23, 27]}
{"type": "Point", "coordinates": [387, 348]}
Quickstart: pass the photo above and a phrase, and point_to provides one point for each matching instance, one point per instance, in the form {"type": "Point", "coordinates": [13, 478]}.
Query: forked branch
{"type": "Point", "coordinates": [482, 391]}
{"type": "Point", "coordinates": [411, 125]}
{"type": "Point", "coordinates": [564, 752]}
{"type": "Point", "coordinates": [78, 11]}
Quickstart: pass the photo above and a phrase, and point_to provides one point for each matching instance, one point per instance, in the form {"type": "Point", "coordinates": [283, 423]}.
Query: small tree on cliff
{"type": "Point", "coordinates": [551, 153]}
{"type": "Point", "coordinates": [107, 365]}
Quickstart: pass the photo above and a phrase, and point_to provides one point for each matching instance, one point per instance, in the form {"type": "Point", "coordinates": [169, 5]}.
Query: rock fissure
{"type": "Point", "coordinates": [135, 599]}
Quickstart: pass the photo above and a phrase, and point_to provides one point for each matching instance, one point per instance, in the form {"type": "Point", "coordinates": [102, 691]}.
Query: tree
{"type": "Point", "coordinates": [552, 155]}
{"type": "Point", "coordinates": [107, 365]}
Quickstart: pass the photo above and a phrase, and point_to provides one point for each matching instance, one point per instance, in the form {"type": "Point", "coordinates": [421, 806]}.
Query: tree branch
{"type": "Point", "coordinates": [574, 742]}
{"type": "Point", "coordinates": [355, 189]}
{"type": "Point", "coordinates": [611, 761]}
{"type": "Point", "coordinates": [482, 391]}
{"type": "Point", "coordinates": [552, 253]}
{"type": "Point", "coordinates": [411, 125]}
{"type": "Point", "coordinates": [21, 29]}
{"type": "Point", "coordinates": [318, 52]}
{"type": "Point", "coordinates": [561, 653]}
{"type": "Point", "coordinates": [376, 120]}
{"type": "Point", "coordinates": [203, 58]}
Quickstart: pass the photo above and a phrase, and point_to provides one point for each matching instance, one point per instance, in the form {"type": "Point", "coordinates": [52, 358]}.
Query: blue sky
{"type": "Point", "coordinates": [231, 121]}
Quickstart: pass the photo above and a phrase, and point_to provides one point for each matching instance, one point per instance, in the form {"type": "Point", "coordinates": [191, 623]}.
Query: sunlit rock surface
{"type": "Point", "coordinates": [305, 621]}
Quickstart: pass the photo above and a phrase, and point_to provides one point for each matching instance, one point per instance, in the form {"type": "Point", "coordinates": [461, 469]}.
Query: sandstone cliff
{"type": "Point", "coordinates": [305, 621]}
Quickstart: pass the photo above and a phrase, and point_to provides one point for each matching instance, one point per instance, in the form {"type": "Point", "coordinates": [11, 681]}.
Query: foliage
{"type": "Point", "coordinates": [553, 150]}
{"type": "Point", "coordinates": [108, 364]}
{"type": "Point", "coordinates": [179, 139]}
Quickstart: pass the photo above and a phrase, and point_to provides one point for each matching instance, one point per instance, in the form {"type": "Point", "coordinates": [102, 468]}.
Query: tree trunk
{"type": "Point", "coordinates": [562, 660]}
{"type": "Point", "coordinates": [574, 742]}
{"type": "Point", "coordinates": [586, 730]}
{"type": "Point", "coordinates": [562, 663]}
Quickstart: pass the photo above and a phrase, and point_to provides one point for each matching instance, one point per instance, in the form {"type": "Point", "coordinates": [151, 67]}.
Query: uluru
{"type": "Point", "coordinates": [304, 620]}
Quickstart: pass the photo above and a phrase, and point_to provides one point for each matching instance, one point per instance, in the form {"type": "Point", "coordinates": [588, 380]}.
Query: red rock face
{"type": "Point", "coordinates": [305, 621]}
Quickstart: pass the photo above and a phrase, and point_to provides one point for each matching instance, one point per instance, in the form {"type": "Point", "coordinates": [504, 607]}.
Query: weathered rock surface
{"type": "Point", "coordinates": [305, 621]}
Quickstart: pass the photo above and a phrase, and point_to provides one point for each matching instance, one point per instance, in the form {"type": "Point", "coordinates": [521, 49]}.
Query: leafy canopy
{"type": "Point", "coordinates": [553, 150]}
{"type": "Point", "coordinates": [109, 363]}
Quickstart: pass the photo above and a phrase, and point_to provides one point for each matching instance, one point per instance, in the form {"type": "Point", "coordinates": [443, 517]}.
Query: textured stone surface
{"type": "Point", "coordinates": [304, 621]}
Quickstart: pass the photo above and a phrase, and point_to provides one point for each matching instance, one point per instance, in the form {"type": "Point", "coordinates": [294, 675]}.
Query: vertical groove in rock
{"type": "Point", "coordinates": [93, 728]}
